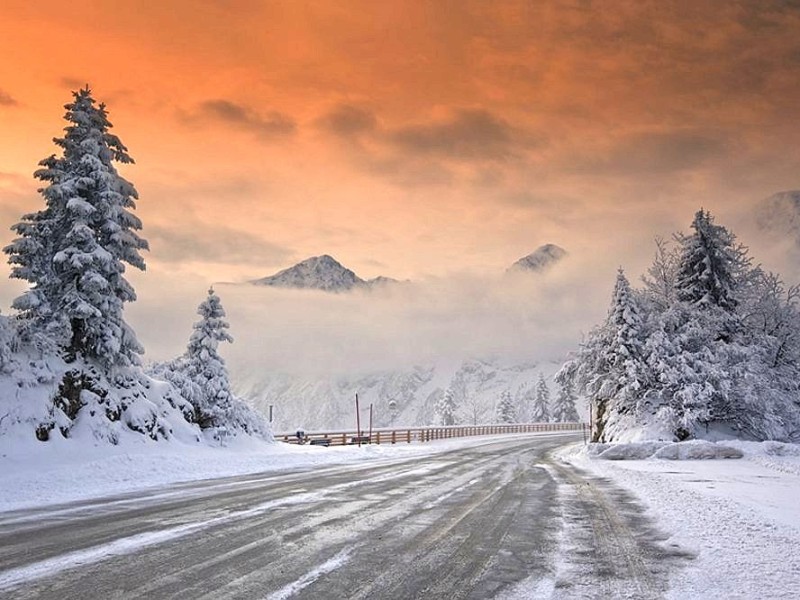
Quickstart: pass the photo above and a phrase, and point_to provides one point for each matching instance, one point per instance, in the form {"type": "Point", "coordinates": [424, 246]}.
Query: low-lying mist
{"type": "Point", "coordinates": [524, 317]}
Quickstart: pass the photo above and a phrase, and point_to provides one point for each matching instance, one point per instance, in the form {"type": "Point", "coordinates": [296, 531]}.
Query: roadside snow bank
{"type": "Point", "coordinates": [690, 450]}
{"type": "Point", "coordinates": [740, 517]}
{"type": "Point", "coordinates": [697, 450]}
{"type": "Point", "coordinates": [66, 470]}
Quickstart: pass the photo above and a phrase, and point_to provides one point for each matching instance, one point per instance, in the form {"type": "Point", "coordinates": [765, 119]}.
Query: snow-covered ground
{"type": "Point", "coordinates": [740, 517]}
{"type": "Point", "coordinates": [33, 474]}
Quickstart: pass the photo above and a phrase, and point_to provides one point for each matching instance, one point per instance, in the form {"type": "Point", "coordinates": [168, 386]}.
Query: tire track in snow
{"type": "Point", "coordinates": [310, 577]}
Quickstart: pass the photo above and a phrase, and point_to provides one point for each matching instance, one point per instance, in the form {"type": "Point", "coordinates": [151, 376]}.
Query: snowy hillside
{"type": "Point", "coordinates": [320, 273]}
{"type": "Point", "coordinates": [540, 259]}
{"type": "Point", "coordinates": [402, 397]}
{"type": "Point", "coordinates": [44, 397]}
{"type": "Point", "coordinates": [38, 398]}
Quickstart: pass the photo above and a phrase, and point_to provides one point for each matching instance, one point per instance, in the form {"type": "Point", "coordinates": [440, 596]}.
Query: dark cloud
{"type": "Point", "coordinates": [73, 83]}
{"type": "Point", "coordinates": [271, 124]}
{"type": "Point", "coordinates": [7, 100]}
{"type": "Point", "coordinates": [407, 171]}
{"type": "Point", "coordinates": [346, 120]}
{"type": "Point", "coordinates": [199, 242]}
{"type": "Point", "coordinates": [434, 153]}
{"type": "Point", "coordinates": [654, 153]}
{"type": "Point", "coordinates": [468, 134]}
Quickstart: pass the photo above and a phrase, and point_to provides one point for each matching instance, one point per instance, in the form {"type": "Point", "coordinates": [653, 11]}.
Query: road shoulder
{"type": "Point", "coordinates": [738, 517]}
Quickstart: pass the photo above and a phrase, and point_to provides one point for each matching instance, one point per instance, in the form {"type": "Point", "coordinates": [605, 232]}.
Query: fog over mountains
{"type": "Point", "coordinates": [399, 348]}
{"type": "Point", "coordinates": [403, 396]}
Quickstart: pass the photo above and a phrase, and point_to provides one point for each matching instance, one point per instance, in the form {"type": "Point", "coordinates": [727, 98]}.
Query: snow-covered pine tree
{"type": "Point", "coordinates": [709, 266]}
{"type": "Point", "coordinates": [717, 355]}
{"type": "Point", "coordinates": [540, 412]}
{"type": "Point", "coordinates": [609, 369]}
{"type": "Point", "coordinates": [505, 408]}
{"type": "Point", "coordinates": [446, 408]}
{"type": "Point", "coordinates": [564, 410]}
{"type": "Point", "coordinates": [700, 346]}
{"type": "Point", "coordinates": [203, 364]}
{"type": "Point", "coordinates": [74, 251]}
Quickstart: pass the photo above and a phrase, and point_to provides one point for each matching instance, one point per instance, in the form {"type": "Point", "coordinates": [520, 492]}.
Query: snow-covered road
{"type": "Point", "coordinates": [496, 518]}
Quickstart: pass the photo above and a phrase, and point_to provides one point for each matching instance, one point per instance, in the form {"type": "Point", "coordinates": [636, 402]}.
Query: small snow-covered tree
{"type": "Point", "coordinates": [476, 410]}
{"type": "Point", "coordinates": [540, 412]}
{"type": "Point", "coordinates": [609, 369]}
{"type": "Point", "coordinates": [205, 367]}
{"type": "Point", "coordinates": [505, 408]}
{"type": "Point", "coordinates": [661, 279]}
{"type": "Point", "coordinates": [446, 408]}
{"type": "Point", "coordinates": [564, 410]}
{"type": "Point", "coordinates": [73, 253]}
{"type": "Point", "coordinates": [525, 398]}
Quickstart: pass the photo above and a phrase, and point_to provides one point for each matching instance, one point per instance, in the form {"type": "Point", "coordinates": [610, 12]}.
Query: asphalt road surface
{"type": "Point", "coordinates": [498, 519]}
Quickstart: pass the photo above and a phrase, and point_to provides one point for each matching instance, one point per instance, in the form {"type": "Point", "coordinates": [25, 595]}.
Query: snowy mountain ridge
{"type": "Point", "coordinates": [399, 397]}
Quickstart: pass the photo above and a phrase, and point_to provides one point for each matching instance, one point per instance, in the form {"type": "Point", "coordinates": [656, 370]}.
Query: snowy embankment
{"type": "Point", "coordinates": [740, 517]}
{"type": "Point", "coordinates": [35, 474]}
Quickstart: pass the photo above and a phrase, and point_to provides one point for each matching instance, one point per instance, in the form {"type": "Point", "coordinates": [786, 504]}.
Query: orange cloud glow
{"type": "Point", "coordinates": [411, 138]}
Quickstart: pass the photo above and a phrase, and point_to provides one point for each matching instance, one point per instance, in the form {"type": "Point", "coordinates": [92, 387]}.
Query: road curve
{"type": "Point", "coordinates": [496, 519]}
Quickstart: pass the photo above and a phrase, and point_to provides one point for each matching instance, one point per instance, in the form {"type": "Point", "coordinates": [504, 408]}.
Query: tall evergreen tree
{"type": "Point", "coordinates": [506, 412]}
{"type": "Point", "coordinates": [446, 408]}
{"type": "Point", "coordinates": [74, 251]}
{"type": "Point", "coordinates": [203, 364]}
{"type": "Point", "coordinates": [541, 404]}
{"type": "Point", "coordinates": [564, 410]}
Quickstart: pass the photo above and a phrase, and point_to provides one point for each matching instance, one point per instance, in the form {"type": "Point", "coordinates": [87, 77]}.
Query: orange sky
{"type": "Point", "coordinates": [411, 138]}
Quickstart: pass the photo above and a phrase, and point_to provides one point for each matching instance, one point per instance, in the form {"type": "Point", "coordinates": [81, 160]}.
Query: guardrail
{"type": "Point", "coordinates": [420, 434]}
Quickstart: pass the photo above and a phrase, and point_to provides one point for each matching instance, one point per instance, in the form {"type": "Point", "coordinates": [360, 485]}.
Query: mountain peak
{"type": "Point", "coordinates": [321, 273]}
{"type": "Point", "coordinates": [540, 259]}
{"type": "Point", "coordinates": [318, 273]}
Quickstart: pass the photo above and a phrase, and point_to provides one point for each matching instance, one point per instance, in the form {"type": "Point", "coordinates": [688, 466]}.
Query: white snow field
{"type": "Point", "coordinates": [740, 517]}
